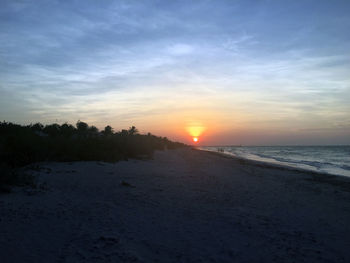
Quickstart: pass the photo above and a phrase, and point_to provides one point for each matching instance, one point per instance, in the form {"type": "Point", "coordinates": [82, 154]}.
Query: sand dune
{"type": "Point", "coordinates": [183, 206]}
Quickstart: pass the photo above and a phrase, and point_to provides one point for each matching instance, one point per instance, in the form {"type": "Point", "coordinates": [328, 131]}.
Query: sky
{"type": "Point", "coordinates": [230, 72]}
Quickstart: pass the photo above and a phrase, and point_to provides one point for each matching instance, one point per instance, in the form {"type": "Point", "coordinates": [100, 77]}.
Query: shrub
{"type": "Point", "coordinates": [22, 145]}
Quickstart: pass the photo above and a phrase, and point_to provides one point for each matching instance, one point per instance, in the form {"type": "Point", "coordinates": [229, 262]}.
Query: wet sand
{"type": "Point", "coordinates": [183, 206]}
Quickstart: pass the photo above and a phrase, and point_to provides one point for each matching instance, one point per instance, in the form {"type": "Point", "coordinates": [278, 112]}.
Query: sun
{"type": "Point", "coordinates": [195, 139]}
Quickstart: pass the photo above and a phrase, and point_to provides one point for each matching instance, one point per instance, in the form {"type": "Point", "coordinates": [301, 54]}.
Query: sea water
{"type": "Point", "coordinates": [326, 159]}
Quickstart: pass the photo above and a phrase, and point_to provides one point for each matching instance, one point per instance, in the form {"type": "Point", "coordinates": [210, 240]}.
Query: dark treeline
{"type": "Point", "coordinates": [22, 145]}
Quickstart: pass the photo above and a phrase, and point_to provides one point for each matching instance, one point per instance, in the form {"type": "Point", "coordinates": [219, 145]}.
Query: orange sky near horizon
{"type": "Point", "coordinates": [272, 73]}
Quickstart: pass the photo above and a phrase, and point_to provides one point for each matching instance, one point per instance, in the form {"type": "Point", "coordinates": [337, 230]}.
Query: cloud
{"type": "Point", "coordinates": [119, 59]}
{"type": "Point", "coordinates": [180, 49]}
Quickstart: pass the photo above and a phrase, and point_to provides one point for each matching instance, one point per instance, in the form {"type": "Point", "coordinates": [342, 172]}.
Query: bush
{"type": "Point", "coordinates": [22, 145]}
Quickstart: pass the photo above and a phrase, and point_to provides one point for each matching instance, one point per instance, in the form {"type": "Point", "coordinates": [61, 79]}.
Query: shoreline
{"type": "Point", "coordinates": [274, 165]}
{"type": "Point", "coordinates": [322, 177]}
{"type": "Point", "coordinates": [185, 205]}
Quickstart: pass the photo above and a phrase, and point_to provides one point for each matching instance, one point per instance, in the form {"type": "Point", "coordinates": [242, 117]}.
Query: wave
{"type": "Point", "coordinates": [327, 159]}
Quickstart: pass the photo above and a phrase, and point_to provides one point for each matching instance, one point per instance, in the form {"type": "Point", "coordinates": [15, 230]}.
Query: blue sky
{"type": "Point", "coordinates": [251, 72]}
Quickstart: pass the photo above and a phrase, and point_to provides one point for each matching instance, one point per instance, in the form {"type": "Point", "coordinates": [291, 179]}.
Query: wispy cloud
{"type": "Point", "coordinates": [131, 60]}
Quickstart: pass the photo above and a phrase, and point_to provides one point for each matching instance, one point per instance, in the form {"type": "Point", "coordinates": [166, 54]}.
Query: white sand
{"type": "Point", "coordinates": [183, 206]}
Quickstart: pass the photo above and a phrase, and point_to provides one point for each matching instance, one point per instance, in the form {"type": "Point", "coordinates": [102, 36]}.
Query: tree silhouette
{"type": "Point", "coordinates": [123, 133]}
{"type": "Point", "coordinates": [67, 130]}
{"type": "Point", "coordinates": [82, 127]}
{"type": "Point", "coordinates": [108, 130]}
{"type": "Point", "coordinates": [52, 129]}
{"type": "Point", "coordinates": [37, 127]}
{"type": "Point", "coordinates": [93, 131]}
{"type": "Point", "coordinates": [133, 131]}
{"type": "Point", "coordinates": [21, 145]}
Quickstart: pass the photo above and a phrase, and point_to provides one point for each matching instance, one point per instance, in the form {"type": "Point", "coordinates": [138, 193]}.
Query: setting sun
{"type": "Point", "coordinates": [195, 130]}
{"type": "Point", "coordinates": [195, 139]}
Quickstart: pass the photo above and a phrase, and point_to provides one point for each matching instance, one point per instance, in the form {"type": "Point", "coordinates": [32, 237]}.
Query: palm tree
{"type": "Point", "coordinates": [93, 131]}
{"type": "Point", "coordinates": [37, 127]}
{"type": "Point", "coordinates": [108, 130]}
{"type": "Point", "coordinates": [82, 127]}
{"type": "Point", "coordinates": [67, 130]}
{"type": "Point", "coordinates": [52, 129]}
{"type": "Point", "coordinates": [132, 130]}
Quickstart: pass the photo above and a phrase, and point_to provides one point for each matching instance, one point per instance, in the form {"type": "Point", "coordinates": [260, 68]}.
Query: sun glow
{"type": "Point", "coordinates": [195, 131]}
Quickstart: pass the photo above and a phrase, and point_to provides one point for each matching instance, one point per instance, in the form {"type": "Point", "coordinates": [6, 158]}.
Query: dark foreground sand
{"type": "Point", "coordinates": [183, 206]}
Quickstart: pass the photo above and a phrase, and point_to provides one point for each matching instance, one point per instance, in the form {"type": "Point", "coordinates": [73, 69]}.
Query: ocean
{"type": "Point", "coordinates": [326, 159]}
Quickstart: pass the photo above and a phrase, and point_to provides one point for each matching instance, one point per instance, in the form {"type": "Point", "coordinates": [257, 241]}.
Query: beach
{"type": "Point", "coordinates": [184, 205]}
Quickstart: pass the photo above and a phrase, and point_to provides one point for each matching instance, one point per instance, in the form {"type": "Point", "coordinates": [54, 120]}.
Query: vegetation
{"type": "Point", "coordinates": [22, 145]}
